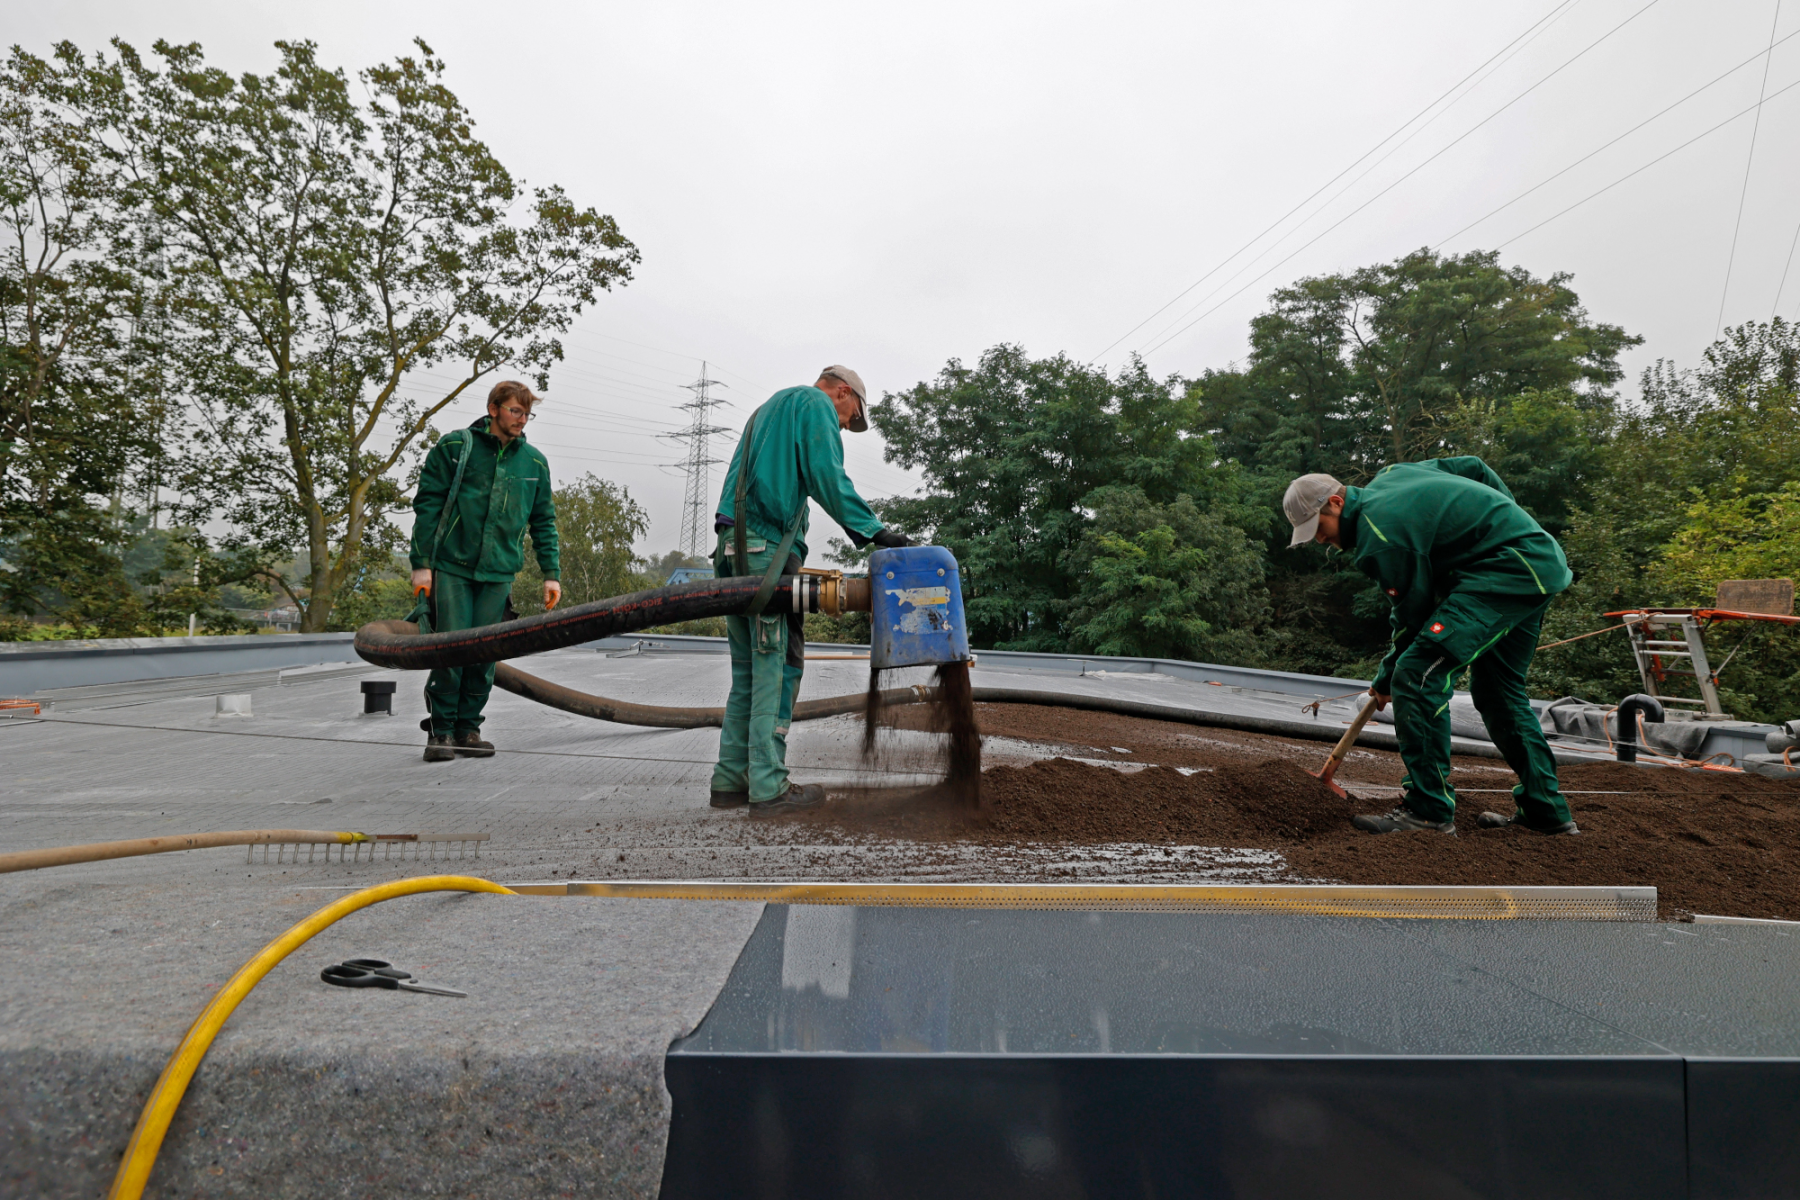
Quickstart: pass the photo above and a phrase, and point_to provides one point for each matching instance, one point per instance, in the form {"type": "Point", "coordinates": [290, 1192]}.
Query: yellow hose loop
{"type": "Point", "coordinates": [165, 1097]}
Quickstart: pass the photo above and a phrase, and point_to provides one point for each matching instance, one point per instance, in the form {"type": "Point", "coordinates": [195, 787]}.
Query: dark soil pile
{"type": "Point", "coordinates": [1059, 800]}
{"type": "Point", "coordinates": [1709, 842]}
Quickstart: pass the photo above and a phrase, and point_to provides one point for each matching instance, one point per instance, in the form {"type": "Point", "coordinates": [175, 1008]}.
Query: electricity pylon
{"type": "Point", "coordinates": [696, 517]}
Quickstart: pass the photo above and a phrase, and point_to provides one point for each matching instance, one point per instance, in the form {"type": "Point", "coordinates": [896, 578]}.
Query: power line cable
{"type": "Point", "coordinates": [1165, 339]}
{"type": "Point", "coordinates": [1749, 160]}
{"type": "Point", "coordinates": [1367, 171]}
{"type": "Point", "coordinates": [1615, 141]}
{"type": "Point", "coordinates": [1639, 171]}
{"type": "Point", "coordinates": [1784, 273]}
{"type": "Point", "coordinates": [1372, 149]}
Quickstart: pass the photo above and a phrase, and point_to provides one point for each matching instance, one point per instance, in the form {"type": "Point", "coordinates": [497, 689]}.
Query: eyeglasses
{"type": "Point", "coordinates": [519, 412]}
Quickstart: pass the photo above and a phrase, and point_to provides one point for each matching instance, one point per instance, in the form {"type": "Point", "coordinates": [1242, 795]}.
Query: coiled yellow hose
{"type": "Point", "coordinates": [165, 1097]}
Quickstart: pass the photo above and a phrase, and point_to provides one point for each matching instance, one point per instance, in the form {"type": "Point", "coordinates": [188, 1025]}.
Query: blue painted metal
{"type": "Point", "coordinates": [917, 609]}
{"type": "Point", "coordinates": [685, 574]}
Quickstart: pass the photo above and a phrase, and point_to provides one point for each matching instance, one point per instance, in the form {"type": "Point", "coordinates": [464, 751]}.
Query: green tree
{"type": "Point", "coordinates": [1013, 451]}
{"type": "Point", "coordinates": [72, 335]}
{"type": "Point", "coordinates": [1350, 372]}
{"type": "Point", "coordinates": [1165, 581]}
{"type": "Point", "coordinates": [1702, 457]}
{"type": "Point", "coordinates": [346, 263]}
{"type": "Point", "coordinates": [657, 570]}
{"type": "Point", "coordinates": [1550, 447]}
{"type": "Point", "coordinates": [596, 523]}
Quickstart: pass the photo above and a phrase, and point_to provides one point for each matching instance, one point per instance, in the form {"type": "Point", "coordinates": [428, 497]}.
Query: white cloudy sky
{"type": "Point", "coordinates": [896, 186]}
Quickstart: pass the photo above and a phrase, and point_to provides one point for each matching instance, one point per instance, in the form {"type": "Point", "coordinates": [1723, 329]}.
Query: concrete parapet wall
{"type": "Point", "coordinates": [30, 667]}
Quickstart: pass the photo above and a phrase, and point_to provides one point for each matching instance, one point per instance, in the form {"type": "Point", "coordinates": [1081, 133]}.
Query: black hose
{"type": "Point", "coordinates": [656, 716]}
{"type": "Point", "coordinates": [399, 644]}
{"type": "Point", "coordinates": [1626, 748]}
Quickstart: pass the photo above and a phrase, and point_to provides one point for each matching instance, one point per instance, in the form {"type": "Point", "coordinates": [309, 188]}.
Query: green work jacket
{"type": "Point", "coordinates": [796, 451]}
{"type": "Point", "coordinates": [1423, 530]}
{"type": "Point", "coordinates": [505, 493]}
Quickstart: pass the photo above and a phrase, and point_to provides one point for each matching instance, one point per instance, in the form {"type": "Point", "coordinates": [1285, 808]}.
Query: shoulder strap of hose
{"type": "Point", "coordinates": [776, 565]}
{"type": "Point", "coordinates": [443, 525]}
{"type": "Point", "coordinates": [739, 536]}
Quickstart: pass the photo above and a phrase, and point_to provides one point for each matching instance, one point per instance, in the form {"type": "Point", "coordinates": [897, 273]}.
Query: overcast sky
{"type": "Point", "coordinates": [895, 186]}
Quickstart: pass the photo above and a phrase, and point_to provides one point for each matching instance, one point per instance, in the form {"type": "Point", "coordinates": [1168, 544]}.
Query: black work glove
{"type": "Point", "coordinates": [887, 539]}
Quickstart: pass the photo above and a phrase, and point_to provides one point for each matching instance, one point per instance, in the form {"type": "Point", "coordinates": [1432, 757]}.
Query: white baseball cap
{"type": "Point", "coordinates": [1305, 497]}
{"type": "Point", "coordinates": [860, 422]}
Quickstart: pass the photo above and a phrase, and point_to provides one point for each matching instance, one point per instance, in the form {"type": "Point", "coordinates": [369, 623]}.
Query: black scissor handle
{"type": "Point", "coordinates": [377, 966]}
{"type": "Point", "coordinates": [345, 975]}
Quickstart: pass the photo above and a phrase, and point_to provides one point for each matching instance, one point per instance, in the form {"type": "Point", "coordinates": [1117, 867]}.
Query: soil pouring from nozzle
{"type": "Point", "coordinates": [1343, 748]}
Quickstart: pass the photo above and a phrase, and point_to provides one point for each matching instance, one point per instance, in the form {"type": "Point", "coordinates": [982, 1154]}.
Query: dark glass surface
{"type": "Point", "coordinates": [908, 980]}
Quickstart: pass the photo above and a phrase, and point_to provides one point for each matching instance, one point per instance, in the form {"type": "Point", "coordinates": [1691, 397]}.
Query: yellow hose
{"type": "Point", "coordinates": [165, 1097]}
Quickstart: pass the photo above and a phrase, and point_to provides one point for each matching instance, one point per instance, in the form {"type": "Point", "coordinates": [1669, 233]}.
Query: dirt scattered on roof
{"type": "Point", "coordinates": [1710, 842]}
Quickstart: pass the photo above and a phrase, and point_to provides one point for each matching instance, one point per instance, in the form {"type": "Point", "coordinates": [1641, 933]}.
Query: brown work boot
{"type": "Point", "coordinates": [468, 742]}
{"type": "Point", "coordinates": [437, 749]}
{"type": "Point", "coordinates": [795, 799]}
{"type": "Point", "coordinates": [730, 799]}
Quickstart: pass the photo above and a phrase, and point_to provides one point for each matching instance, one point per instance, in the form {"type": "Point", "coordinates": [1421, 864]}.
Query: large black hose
{"type": "Point", "coordinates": [655, 716]}
{"type": "Point", "coordinates": [399, 644]}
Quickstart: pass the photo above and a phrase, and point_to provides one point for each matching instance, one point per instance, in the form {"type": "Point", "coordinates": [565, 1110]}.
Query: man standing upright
{"type": "Point", "coordinates": [792, 449]}
{"type": "Point", "coordinates": [482, 489]}
{"type": "Point", "coordinates": [1469, 574]}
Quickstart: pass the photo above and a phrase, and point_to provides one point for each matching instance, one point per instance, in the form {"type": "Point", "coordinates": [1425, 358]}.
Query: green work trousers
{"type": "Point", "coordinates": [1494, 636]}
{"type": "Point", "coordinates": [456, 695]}
{"type": "Point", "coordinates": [768, 656]}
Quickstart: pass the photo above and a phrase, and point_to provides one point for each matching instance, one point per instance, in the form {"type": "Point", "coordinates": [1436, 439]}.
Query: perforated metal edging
{"type": "Point", "coordinates": [1439, 903]}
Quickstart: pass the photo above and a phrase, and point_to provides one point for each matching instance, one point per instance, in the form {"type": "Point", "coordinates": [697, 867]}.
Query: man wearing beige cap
{"type": "Point", "coordinates": [792, 450]}
{"type": "Point", "coordinates": [1469, 574]}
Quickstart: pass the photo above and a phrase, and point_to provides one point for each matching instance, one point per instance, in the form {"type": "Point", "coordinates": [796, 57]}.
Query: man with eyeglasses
{"type": "Point", "coordinates": [482, 489]}
{"type": "Point", "coordinates": [791, 451]}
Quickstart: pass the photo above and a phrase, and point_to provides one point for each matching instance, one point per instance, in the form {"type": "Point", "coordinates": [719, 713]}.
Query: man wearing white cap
{"type": "Point", "coordinates": [1469, 574]}
{"type": "Point", "coordinates": [791, 450]}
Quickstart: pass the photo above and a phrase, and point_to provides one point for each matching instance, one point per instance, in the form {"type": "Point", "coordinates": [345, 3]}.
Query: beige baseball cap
{"type": "Point", "coordinates": [1305, 497]}
{"type": "Point", "coordinates": [860, 422]}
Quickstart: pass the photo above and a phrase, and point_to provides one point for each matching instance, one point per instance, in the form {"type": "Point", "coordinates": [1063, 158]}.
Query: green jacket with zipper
{"type": "Point", "coordinates": [798, 452]}
{"type": "Point", "coordinates": [504, 494]}
{"type": "Point", "coordinates": [1423, 530]}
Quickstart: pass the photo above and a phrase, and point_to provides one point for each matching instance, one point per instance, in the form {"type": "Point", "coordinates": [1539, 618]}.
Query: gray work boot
{"type": "Point", "coordinates": [1401, 820]}
{"type": "Point", "coordinates": [1493, 820]}
{"type": "Point", "coordinates": [437, 749]}
{"type": "Point", "coordinates": [469, 742]}
{"type": "Point", "coordinates": [793, 800]}
{"type": "Point", "coordinates": [730, 799]}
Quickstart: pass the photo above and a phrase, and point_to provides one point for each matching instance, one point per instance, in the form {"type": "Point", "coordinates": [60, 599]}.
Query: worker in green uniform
{"type": "Point", "coordinates": [1469, 574]}
{"type": "Point", "coordinates": [481, 490]}
{"type": "Point", "coordinates": [792, 449]}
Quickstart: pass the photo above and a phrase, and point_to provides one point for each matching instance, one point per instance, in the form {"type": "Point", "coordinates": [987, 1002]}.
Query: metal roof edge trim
{"type": "Point", "coordinates": [102, 647]}
{"type": "Point", "coordinates": [1347, 900]}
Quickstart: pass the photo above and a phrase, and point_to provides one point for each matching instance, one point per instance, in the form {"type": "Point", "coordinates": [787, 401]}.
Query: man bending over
{"type": "Point", "coordinates": [1469, 574]}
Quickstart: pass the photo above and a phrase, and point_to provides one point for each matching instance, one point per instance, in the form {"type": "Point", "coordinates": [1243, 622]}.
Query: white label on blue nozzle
{"type": "Point", "coordinates": [921, 596]}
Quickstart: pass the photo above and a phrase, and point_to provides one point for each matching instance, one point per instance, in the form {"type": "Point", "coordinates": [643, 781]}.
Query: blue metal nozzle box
{"type": "Point", "coordinates": [916, 616]}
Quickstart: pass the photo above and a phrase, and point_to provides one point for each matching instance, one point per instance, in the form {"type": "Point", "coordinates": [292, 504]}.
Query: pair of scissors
{"type": "Point", "coordinates": [372, 972]}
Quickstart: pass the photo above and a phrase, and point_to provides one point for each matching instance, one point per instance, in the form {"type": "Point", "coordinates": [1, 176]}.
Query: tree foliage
{"type": "Point", "coordinates": [1014, 451]}
{"type": "Point", "coordinates": [1165, 581]}
{"type": "Point", "coordinates": [346, 263]}
{"type": "Point", "coordinates": [596, 523]}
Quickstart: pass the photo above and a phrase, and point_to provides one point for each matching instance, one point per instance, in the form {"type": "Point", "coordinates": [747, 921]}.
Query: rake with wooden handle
{"type": "Point", "coordinates": [1343, 748]}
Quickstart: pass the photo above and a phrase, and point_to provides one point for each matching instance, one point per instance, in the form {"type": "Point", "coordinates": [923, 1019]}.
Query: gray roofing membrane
{"type": "Point", "coordinates": [549, 1077]}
